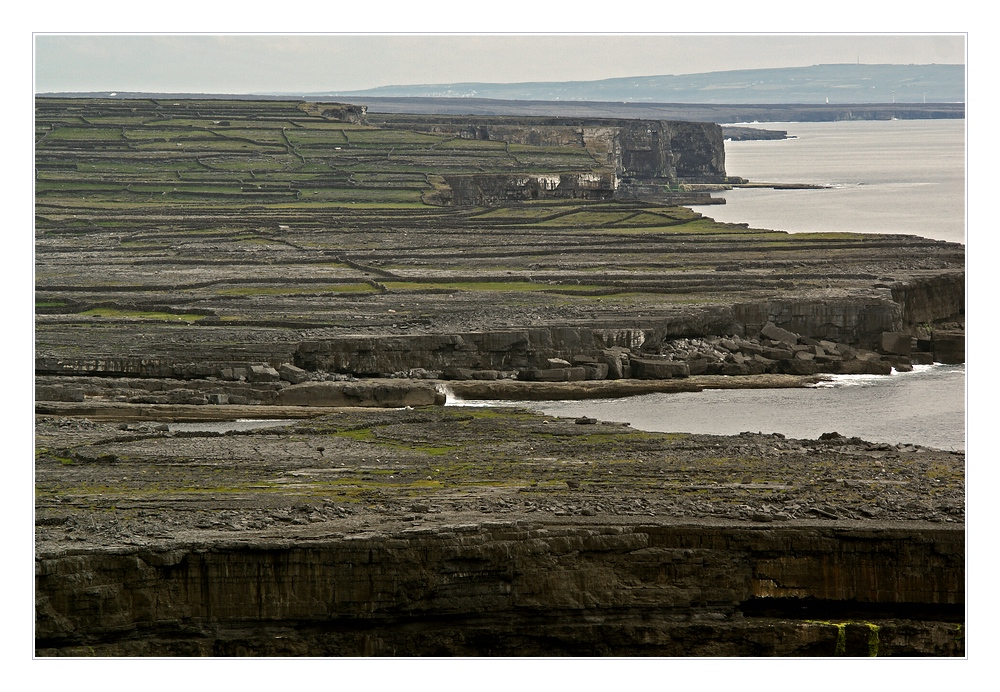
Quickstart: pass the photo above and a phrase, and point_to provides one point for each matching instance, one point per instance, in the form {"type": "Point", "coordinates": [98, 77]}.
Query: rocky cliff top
{"type": "Point", "coordinates": [135, 484]}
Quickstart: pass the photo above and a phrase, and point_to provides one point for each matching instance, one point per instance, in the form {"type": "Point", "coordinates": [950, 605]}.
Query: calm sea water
{"type": "Point", "coordinates": [924, 407]}
{"type": "Point", "coordinates": [886, 176]}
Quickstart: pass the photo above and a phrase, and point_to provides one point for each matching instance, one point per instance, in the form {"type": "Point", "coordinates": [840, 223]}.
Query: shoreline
{"type": "Point", "coordinates": [500, 390]}
{"type": "Point", "coordinates": [516, 390]}
{"type": "Point", "coordinates": [302, 283]}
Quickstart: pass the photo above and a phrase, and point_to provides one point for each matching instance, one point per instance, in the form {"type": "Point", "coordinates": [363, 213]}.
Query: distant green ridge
{"type": "Point", "coordinates": [845, 83]}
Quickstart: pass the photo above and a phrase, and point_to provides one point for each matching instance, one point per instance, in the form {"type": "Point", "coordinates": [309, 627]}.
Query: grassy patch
{"type": "Point", "coordinates": [138, 314]}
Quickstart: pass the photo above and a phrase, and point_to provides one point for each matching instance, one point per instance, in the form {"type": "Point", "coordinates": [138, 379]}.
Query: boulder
{"type": "Point", "coordinates": [614, 358]}
{"type": "Point", "coordinates": [485, 375]}
{"type": "Point", "coordinates": [264, 373]}
{"type": "Point", "coordinates": [453, 373]}
{"type": "Point", "coordinates": [800, 367]}
{"type": "Point", "coordinates": [732, 369]}
{"type": "Point", "coordinates": [290, 373]}
{"type": "Point", "coordinates": [570, 374]}
{"type": "Point", "coordinates": [775, 333]}
{"type": "Point", "coordinates": [649, 369]}
{"type": "Point", "coordinates": [861, 366]}
{"type": "Point", "coordinates": [949, 346]}
{"type": "Point", "coordinates": [778, 353]}
{"type": "Point", "coordinates": [697, 365]}
{"type": "Point", "coordinates": [896, 343]}
{"type": "Point", "coordinates": [596, 371]}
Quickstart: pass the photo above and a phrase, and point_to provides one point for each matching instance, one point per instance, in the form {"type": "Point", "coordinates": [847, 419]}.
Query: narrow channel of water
{"type": "Point", "coordinates": [924, 407]}
{"type": "Point", "coordinates": [224, 426]}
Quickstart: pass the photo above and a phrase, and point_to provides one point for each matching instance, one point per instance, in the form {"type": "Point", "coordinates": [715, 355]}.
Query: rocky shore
{"type": "Point", "coordinates": [203, 261]}
{"type": "Point", "coordinates": [116, 497]}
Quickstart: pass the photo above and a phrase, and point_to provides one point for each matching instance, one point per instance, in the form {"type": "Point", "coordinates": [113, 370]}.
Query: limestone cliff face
{"type": "Point", "coordinates": [516, 589]}
{"type": "Point", "coordinates": [851, 320]}
{"type": "Point", "coordinates": [855, 319]}
{"type": "Point", "coordinates": [673, 152]}
{"type": "Point", "coordinates": [859, 320]}
{"type": "Point", "coordinates": [649, 154]}
{"type": "Point", "coordinates": [937, 298]}
{"type": "Point", "coordinates": [501, 350]}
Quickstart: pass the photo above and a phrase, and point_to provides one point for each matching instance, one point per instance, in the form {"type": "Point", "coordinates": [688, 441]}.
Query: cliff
{"type": "Point", "coordinates": [197, 239]}
{"type": "Point", "coordinates": [240, 254]}
{"type": "Point", "coordinates": [517, 590]}
{"type": "Point", "coordinates": [635, 159]}
{"type": "Point", "coordinates": [484, 531]}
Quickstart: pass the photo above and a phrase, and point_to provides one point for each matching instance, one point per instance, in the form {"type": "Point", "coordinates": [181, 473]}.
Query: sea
{"type": "Point", "coordinates": [880, 176]}
{"type": "Point", "coordinates": [925, 407]}
{"type": "Point", "coordinates": [890, 176]}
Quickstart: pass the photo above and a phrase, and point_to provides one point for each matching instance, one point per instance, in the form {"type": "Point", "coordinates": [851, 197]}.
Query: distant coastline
{"type": "Point", "coordinates": [716, 113]}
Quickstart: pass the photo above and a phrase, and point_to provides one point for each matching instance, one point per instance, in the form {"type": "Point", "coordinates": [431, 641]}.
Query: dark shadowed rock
{"type": "Point", "coordinates": [897, 343]}
{"type": "Point", "coordinates": [949, 346]}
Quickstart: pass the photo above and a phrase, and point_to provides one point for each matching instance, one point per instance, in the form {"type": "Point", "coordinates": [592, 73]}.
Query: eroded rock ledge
{"type": "Point", "coordinates": [482, 531]}
{"type": "Point", "coordinates": [518, 589]}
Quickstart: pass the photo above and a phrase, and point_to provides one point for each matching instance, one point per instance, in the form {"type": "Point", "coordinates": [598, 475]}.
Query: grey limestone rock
{"type": "Point", "coordinates": [649, 369]}
{"type": "Point", "coordinates": [293, 374]}
{"type": "Point", "coordinates": [775, 333]}
{"type": "Point", "coordinates": [263, 373]}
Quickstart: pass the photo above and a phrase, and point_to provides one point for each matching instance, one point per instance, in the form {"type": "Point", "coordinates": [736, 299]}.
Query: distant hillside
{"type": "Point", "coordinates": [836, 84]}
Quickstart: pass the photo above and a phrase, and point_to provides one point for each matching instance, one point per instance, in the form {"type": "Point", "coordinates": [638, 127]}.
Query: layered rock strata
{"type": "Point", "coordinates": [441, 531]}
{"type": "Point", "coordinates": [518, 589]}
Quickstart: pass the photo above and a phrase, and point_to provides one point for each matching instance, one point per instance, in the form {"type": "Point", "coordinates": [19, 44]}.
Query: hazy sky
{"type": "Point", "coordinates": [247, 63]}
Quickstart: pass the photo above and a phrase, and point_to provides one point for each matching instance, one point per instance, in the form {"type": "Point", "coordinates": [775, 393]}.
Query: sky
{"type": "Point", "coordinates": [301, 62]}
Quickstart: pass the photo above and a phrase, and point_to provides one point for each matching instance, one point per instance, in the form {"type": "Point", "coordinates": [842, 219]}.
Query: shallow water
{"type": "Point", "coordinates": [225, 426]}
{"type": "Point", "coordinates": [924, 407]}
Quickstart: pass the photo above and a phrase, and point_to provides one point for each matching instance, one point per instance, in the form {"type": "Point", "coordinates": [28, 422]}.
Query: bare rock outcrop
{"type": "Point", "coordinates": [515, 589]}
